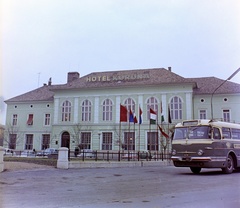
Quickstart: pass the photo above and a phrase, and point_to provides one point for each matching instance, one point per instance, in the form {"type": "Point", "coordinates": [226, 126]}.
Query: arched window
{"type": "Point", "coordinates": [153, 104]}
{"type": "Point", "coordinates": [66, 111]}
{"type": "Point", "coordinates": [130, 105]}
{"type": "Point", "coordinates": [107, 110]}
{"type": "Point", "coordinates": [176, 108]}
{"type": "Point", "coordinates": [86, 110]}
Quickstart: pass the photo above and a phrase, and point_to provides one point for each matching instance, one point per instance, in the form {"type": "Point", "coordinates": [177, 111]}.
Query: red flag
{"type": "Point", "coordinates": [135, 119]}
{"type": "Point", "coordinates": [162, 132]}
{"type": "Point", "coordinates": [123, 113]}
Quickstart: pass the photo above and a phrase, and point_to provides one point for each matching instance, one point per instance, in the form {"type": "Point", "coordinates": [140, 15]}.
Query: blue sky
{"type": "Point", "coordinates": [48, 38]}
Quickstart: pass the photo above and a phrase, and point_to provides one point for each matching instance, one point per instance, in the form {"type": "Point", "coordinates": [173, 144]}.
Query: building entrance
{"type": "Point", "coordinates": [65, 140]}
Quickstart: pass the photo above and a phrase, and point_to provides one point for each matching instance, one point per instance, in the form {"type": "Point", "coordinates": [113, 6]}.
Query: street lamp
{"type": "Point", "coordinates": [219, 87]}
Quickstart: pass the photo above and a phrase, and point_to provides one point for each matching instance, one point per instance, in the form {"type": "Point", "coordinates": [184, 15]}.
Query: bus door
{"type": "Point", "coordinates": [219, 144]}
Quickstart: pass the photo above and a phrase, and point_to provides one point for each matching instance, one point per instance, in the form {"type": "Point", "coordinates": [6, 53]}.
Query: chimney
{"type": "Point", "coordinates": [72, 76]}
{"type": "Point", "coordinates": [170, 68]}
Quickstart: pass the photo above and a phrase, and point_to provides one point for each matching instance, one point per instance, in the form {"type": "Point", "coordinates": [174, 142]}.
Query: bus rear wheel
{"type": "Point", "coordinates": [229, 168]}
{"type": "Point", "coordinates": [195, 170]}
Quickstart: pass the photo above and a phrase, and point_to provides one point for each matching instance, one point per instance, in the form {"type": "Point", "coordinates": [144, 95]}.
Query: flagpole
{"type": "Point", "coordinates": [119, 136]}
{"type": "Point", "coordinates": [134, 134]}
{"type": "Point", "coordinates": [139, 125]}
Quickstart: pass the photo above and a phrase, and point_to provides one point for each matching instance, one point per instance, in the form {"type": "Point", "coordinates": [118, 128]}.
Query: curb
{"type": "Point", "coordinates": [76, 164]}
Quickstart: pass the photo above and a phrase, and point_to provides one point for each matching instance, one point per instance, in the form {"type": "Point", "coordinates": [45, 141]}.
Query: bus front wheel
{"type": "Point", "coordinates": [195, 170]}
{"type": "Point", "coordinates": [229, 168]}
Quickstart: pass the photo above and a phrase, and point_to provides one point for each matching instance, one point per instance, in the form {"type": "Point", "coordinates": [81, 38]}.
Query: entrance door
{"type": "Point", "coordinates": [65, 140]}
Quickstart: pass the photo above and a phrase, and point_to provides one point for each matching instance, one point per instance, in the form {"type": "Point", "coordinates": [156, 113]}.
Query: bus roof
{"type": "Point", "coordinates": [199, 122]}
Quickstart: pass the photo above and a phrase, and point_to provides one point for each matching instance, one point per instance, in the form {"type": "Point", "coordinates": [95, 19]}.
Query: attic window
{"type": "Point", "coordinates": [30, 119]}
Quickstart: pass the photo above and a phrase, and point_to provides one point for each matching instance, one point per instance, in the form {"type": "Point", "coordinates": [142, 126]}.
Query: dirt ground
{"type": "Point", "coordinates": [13, 166]}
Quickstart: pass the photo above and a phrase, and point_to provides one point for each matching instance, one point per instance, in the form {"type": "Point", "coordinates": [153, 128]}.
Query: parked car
{"type": "Point", "coordinates": [47, 152]}
{"type": "Point", "coordinates": [28, 153]}
{"type": "Point", "coordinates": [9, 152]}
{"type": "Point", "coordinates": [87, 153]}
{"type": "Point", "coordinates": [130, 155]}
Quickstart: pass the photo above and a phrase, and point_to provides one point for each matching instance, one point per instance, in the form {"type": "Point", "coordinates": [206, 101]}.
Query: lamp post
{"type": "Point", "coordinates": [219, 87]}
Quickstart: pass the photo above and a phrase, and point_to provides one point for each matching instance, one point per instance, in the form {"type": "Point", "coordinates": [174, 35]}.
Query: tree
{"type": "Point", "coordinates": [12, 136]}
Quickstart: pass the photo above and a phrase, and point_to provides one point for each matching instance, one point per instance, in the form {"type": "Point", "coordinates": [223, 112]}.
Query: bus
{"type": "Point", "coordinates": [201, 144]}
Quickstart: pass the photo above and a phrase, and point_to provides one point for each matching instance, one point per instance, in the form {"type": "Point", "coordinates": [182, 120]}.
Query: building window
{"type": "Point", "coordinates": [47, 119]}
{"type": "Point", "coordinates": [202, 114]}
{"type": "Point", "coordinates": [45, 141]}
{"type": "Point", "coordinates": [130, 105]}
{"type": "Point", "coordinates": [176, 108]}
{"type": "Point", "coordinates": [85, 140]}
{"type": "Point", "coordinates": [153, 104]}
{"type": "Point", "coordinates": [29, 142]}
{"type": "Point", "coordinates": [107, 110]}
{"type": "Point", "coordinates": [14, 121]}
{"type": "Point", "coordinates": [152, 141]}
{"type": "Point", "coordinates": [107, 141]}
{"type": "Point", "coordinates": [129, 140]}
{"type": "Point", "coordinates": [86, 110]}
{"type": "Point", "coordinates": [226, 115]}
{"type": "Point", "coordinates": [66, 111]}
{"type": "Point", "coordinates": [12, 141]}
{"type": "Point", "coordinates": [30, 120]}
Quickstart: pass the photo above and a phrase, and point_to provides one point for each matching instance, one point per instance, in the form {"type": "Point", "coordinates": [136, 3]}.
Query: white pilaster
{"type": "Point", "coordinates": [164, 106]}
{"type": "Point", "coordinates": [75, 110]}
{"type": "Point", "coordinates": [96, 110]}
{"type": "Point", "coordinates": [118, 109]}
{"type": "Point", "coordinates": [56, 107]}
{"type": "Point", "coordinates": [188, 105]}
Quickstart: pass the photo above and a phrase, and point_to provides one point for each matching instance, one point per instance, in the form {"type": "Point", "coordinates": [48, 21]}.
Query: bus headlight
{"type": "Point", "coordinates": [200, 152]}
{"type": "Point", "coordinates": [174, 152]}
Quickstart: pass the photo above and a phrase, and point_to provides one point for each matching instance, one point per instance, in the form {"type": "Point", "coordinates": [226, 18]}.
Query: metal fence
{"type": "Point", "coordinates": [94, 155]}
{"type": "Point", "coordinates": [118, 155]}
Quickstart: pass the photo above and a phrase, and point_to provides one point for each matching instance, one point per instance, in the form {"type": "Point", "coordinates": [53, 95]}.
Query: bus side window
{"type": "Point", "coordinates": [216, 133]}
{"type": "Point", "coordinates": [226, 133]}
{"type": "Point", "coordinates": [236, 133]}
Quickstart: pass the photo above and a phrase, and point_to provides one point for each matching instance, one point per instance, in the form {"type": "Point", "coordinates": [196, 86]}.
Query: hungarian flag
{"type": "Point", "coordinates": [140, 115]}
{"type": "Point", "coordinates": [123, 113]}
{"type": "Point", "coordinates": [153, 116]}
{"type": "Point", "coordinates": [162, 132]}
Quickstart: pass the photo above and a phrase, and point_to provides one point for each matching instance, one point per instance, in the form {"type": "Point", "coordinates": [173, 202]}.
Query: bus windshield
{"type": "Point", "coordinates": [193, 132]}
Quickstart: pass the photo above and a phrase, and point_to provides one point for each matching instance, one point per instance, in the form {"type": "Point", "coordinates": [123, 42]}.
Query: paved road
{"type": "Point", "coordinates": [154, 187]}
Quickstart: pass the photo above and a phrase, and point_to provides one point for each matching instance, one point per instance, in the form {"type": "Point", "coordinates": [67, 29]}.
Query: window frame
{"type": "Point", "coordinates": [152, 103]}
{"type": "Point", "coordinates": [107, 140]}
{"type": "Point", "coordinates": [107, 110]}
{"type": "Point", "coordinates": [14, 119]}
{"type": "Point", "coordinates": [47, 119]}
{"type": "Point", "coordinates": [176, 108]}
{"type": "Point", "coordinates": [29, 142]}
{"type": "Point", "coordinates": [86, 110]}
{"type": "Point", "coordinates": [86, 139]}
{"type": "Point", "coordinates": [66, 111]}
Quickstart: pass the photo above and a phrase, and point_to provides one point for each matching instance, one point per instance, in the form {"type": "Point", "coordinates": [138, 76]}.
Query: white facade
{"type": "Point", "coordinates": [85, 112]}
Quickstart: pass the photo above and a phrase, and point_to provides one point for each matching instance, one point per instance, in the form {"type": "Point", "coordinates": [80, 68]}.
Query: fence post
{"type": "Point", "coordinates": [119, 155]}
{"type": "Point", "coordinates": [1, 159]}
{"type": "Point", "coordinates": [62, 162]}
